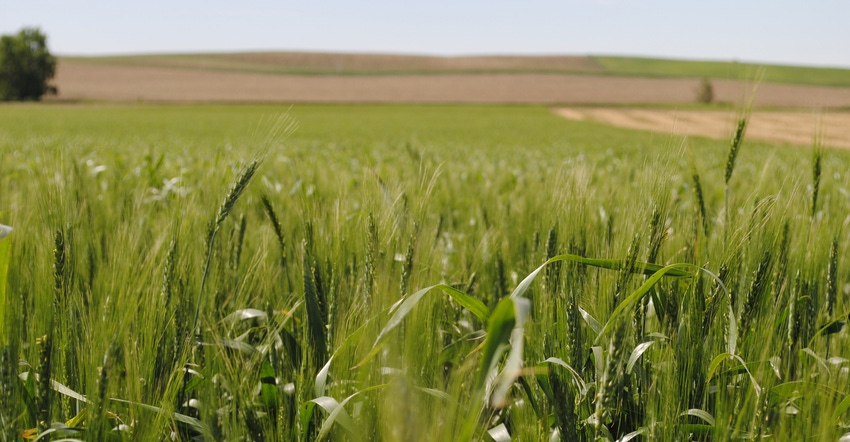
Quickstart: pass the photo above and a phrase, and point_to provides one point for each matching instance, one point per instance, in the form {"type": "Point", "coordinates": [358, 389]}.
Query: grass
{"type": "Point", "coordinates": [415, 273]}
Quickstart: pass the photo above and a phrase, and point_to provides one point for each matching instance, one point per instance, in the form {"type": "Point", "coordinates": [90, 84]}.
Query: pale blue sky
{"type": "Point", "coordinates": [815, 32]}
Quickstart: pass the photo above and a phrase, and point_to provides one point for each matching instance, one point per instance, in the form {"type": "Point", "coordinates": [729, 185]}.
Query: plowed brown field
{"type": "Point", "coordinates": [96, 81]}
{"type": "Point", "coordinates": [781, 127]}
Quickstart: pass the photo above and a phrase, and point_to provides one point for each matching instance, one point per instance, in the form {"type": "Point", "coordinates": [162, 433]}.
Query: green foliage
{"type": "Point", "coordinates": [26, 66]}
{"type": "Point", "coordinates": [559, 280]}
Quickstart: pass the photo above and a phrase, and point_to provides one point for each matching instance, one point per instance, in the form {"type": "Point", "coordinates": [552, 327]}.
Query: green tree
{"type": "Point", "coordinates": [25, 66]}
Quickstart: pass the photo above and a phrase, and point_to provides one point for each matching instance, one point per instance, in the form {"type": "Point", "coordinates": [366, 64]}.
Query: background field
{"type": "Point", "coordinates": [793, 127]}
{"type": "Point", "coordinates": [651, 67]}
{"type": "Point", "coordinates": [353, 78]}
{"type": "Point", "coordinates": [112, 207]}
{"type": "Point", "coordinates": [369, 64]}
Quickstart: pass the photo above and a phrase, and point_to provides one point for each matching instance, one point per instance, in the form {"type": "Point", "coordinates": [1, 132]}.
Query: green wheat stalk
{"type": "Point", "coordinates": [832, 279]}
{"type": "Point", "coordinates": [816, 175]}
{"type": "Point", "coordinates": [700, 202]}
{"type": "Point", "coordinates": [735, 146]}
{"type": "Point", "coordinates": [223, 211]}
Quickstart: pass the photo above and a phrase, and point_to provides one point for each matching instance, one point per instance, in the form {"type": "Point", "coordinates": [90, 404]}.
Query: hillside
{"type": "Point", "coordinates": [317, 63]}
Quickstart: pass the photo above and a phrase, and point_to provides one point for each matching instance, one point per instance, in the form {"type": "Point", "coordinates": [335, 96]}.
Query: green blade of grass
{"type": "Point", "coordinates": [591, 321]}
{"type": "Point", "coordinates": [791, 389]}
{"type": "Point", "coordinates": [502, 327]}
{"type": "Point", "coordinates": [499, 330]}
{"type": "Point", "coordinates": [702, 414]}
{"type": "Point", "coordinates": [193, 423]}
{"type": "Point", "coordinates": [719, 359]}
{"type": "Point", "coordinates": [822, 362]}
{"type": "Point", "coordinates": [513, 364]}
{"type": "Point", "coordinates": [598, 363]}
{"type": "Point", "coordinates": [610, 264]}
{"type": "Point", "coordinates": [638, 294]}
{"type": "Point", "coordinates": [322, 378]}
{"type": "Point", "coordinates": [401, 309]}
{"type": "Point", "coordinates": [436, 393]}
{"type": "Point", "coordinates": [582, 386]}
{"type": "Point", "coordinates": [842, 407]}
{"type": "Point", "coordinates": [639, 350]}
{"type": "Point", "coordinates": [732, 328]}
{"type": "Point", "coordinates": [619, 264]}
{"type": "Point", "coordinates": [182, 418]}
{"type": "Point", "coordinates": [58, 387]}
{"type": "Point", "coordinates": [474, 306]}
{"type": "Point", "coordinates": [5, 258]}
{"type": "Point", "coordinates": [633, 434]}
{"type": "Point", "coordinates": [59, 429]}
{"type": "Point", "coordinates": [831, 327]}
{"type": "Point", "coordinates": [338, 413]}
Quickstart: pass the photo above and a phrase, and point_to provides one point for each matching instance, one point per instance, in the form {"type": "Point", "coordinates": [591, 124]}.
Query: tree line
{"type": "Point", "coordinates": [26, 66]}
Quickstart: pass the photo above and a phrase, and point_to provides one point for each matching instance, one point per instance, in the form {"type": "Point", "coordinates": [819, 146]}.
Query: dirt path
{"type": "Point", "coordinates": [781, 127]}
{"type": "Point", "coordinates": [91, 81]}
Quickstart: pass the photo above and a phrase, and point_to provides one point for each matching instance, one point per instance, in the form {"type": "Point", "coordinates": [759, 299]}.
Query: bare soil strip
{"type": "Point", "coordinates": [92, 81]}
{"type": "Point", "coordinates": [779, 127]}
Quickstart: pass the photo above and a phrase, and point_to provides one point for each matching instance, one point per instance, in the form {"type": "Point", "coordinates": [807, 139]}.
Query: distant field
{"type": "Point", "coordinates": [315, 63]}
{"type": "Point", "coordinates": [104, 81]}
{"type": "Point", "coordinates": [781, 127]}
{"type": "Point", "coordinates": [352, 64]}
{"type": "Point", "coordinates": [652, 67]}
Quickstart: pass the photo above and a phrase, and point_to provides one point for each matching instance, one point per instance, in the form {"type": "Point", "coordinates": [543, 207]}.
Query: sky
{"type": "Point", "coordinates": [801, 32]}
